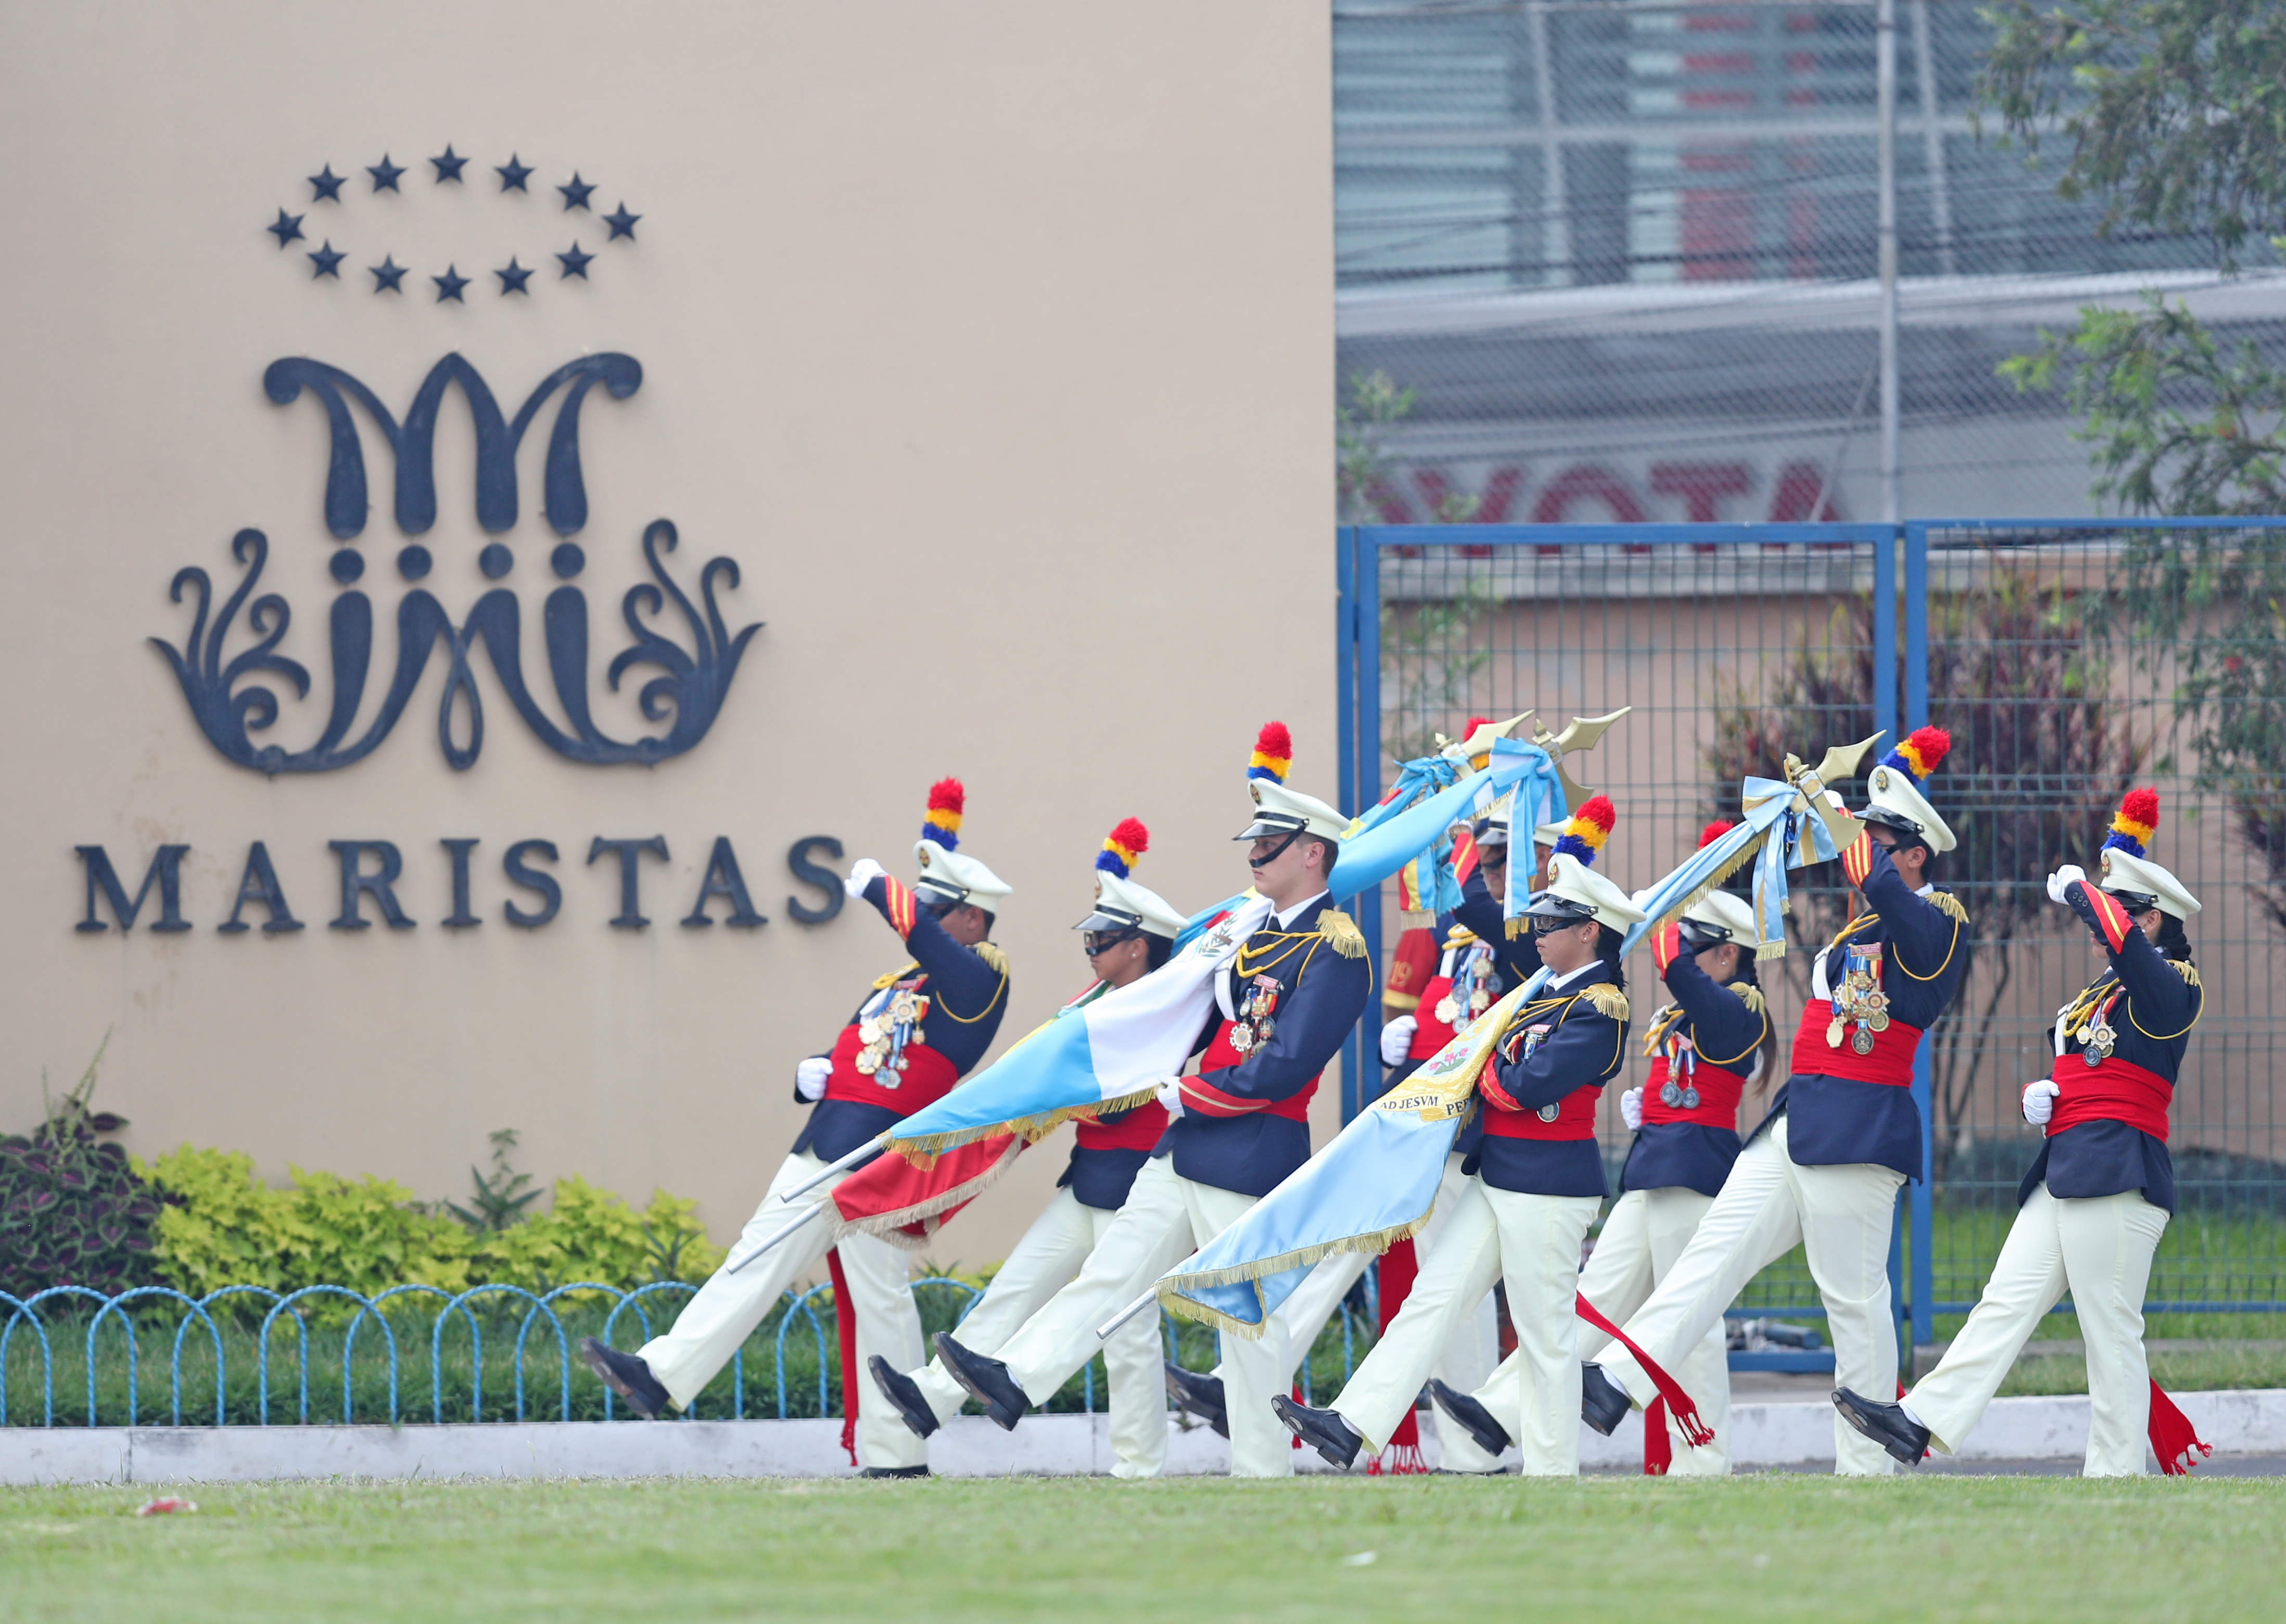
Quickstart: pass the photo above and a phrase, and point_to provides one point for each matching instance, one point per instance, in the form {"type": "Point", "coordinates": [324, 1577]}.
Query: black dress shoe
{"type": "Point", "coordinates": [913, 1409]}
{"type": "Point", "coordinates": [627, 1375]}
{"type": "Point", "coordinates": [987, 1381]}
{"type": "Point", "coordinates": [1323, 1431]}
{"type": "Point", "coordinates": [1887, 1425]}
{"type": "Point", "coordinates": [1199, 1395]}
{"type": "Point", "coordinates": [1604, 1403]}
{"type": "Point", "coordinates": [1471, 1417]}
{"type": "Point", "coordinates": [894, 1471]}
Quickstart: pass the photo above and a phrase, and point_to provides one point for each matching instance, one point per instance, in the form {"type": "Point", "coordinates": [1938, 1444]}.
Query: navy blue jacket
{"type": "Point", "coordinates": [1517, 956]}
{"type": "Point", "coordinates": [1225, 1137]}
{"type": "Point", "coordinates": [1584, 1052]}
{"type": "Point", "coordinates": [963, 983]}
{"type": "Point", "coordinates": [2154, 1025]}
{"type": "Point", "coordinates": [1101, 1178]}
{"type": "Point", "coordinates": [1464, 1143]}
{"type": "Point", "coordinates": [1723, 1025]}
{"type": "Point", "coordinates": [1832, 1121]}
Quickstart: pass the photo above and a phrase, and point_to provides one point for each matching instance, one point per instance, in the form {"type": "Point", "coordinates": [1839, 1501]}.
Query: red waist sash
{"type": "Point", "coordinates": [1139, 1129]}
{"type": "Point", "coordinates": [1294, 1108]}
{"type": "Point", "coordinates": [927, 1077]}
{"type": "Point", "coordinates": [1575, 1119]}
{"type": "Point", "coordinates": [2109, 1091]}
{"type": "Point", "coordinates": [1430, 1034]}
{"type": "Point", "coordinates": [1891, 1062]}
{"type": "Point", "coordinates": [1719, 1094]}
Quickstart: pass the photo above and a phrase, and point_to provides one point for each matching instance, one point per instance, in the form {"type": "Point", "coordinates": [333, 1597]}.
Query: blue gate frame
{"type": "Point", "coordinates": [1898, 709]}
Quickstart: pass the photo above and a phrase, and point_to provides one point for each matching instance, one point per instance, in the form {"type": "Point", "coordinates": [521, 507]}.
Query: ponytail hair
{"type": "Point", "coordinates": [1607, 946]}
{"type": "Point", "coordinates": [2173, 943]}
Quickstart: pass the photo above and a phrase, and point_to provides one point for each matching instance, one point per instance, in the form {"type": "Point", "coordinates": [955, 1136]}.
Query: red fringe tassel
{"type": "Point", "coordinates": [2173, 1437]}
{"type": "Point", "coordinates": [1695, 1430]}
{"type": "Point", "coordinates": [1659, 1450]}
{"type": "Point", "coordinates": [845, 1327]}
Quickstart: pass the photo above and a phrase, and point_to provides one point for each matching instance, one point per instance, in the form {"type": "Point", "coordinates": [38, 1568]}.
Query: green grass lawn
{"type": "Point", "coordinates": [1764, 1548]}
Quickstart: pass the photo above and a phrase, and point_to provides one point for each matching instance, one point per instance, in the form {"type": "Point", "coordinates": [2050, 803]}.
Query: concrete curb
{"type": "Point", "coordinates": [1791, 1433]}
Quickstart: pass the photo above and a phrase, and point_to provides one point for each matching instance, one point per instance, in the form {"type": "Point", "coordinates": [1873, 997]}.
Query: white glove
{"type": "Point", "coordinates": [809, 1077]}
{"type": "Point", "coordinates": [1170, 1095]}
{"type": "Point", "coordinates": [1396, 1040]}
{"type": "Point", "coordinates": [2061, 877]}
{"type": "Point", "coordinates": [2039, 1102]}
{"type": "Point", "coordinates": [862, 873]}
{"type": "Point", "coordinates": [1631, 1109]}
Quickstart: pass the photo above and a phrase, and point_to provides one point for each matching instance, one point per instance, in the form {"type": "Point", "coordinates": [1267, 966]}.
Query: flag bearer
{"type": "Point", "coordinates": [1538, 1186]}
{"type": "Point", "coordinates": [2092, 1209]}
{"type": "Point", "coordinates": [1705, 1048]}
{"type": "Point", "coordinates": [1823, 1169]}
{"type": "Point", "coordinates": [920, 1029]}
{"type": "Point", "coordinates": [1240, 1125]}
{"type": "Point", "coordinates": [1130, 932]}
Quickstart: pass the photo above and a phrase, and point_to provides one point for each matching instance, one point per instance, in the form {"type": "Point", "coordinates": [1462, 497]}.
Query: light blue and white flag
{"type": "Point", "coordinates": [1118, 1049]}
{"type": "Point", "coordinates": [1374, 1184]}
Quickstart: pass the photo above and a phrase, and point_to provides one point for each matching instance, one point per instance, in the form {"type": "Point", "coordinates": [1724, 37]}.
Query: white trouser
{"type": "Point", "coordinates": [1166, 1218]}
{"type": "Point", "coordinates": [1464, 1361]}
{"type": "Point", "coordinates": [1532, 1244]}
{"type": "Point", "coordinates": [1047, 1259]}
{"type": "Point", "coordinates": [729, 1306]}
{"type": "Point", "coordinates": [2100, 1248]}
{"type": "Point", "coordinates": [1645, 1232]}
{"type": "Point", "coordinates": [1841, 1218]}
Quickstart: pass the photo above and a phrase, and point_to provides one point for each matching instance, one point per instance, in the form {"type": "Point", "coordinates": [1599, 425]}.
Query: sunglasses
{"type": "Point", "coordinates": [1103, 940]}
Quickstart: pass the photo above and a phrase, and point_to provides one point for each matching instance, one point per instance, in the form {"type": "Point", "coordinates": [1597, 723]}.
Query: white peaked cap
{"type": "Point", "coordinates": [955, 877]}
{"type": "Point", "coordinates": [1120, 904]}
{"type": "Point", "coordinates": [1279, 811]}
{"type": "Point", "coordinates": [1730, 914]}
{"type": "Point", "coordinates": [1893, 791]}
{"type": "Point", "coordinates": [1573, 881]}
{"type": "Point", "coordinates": [2123, 871]}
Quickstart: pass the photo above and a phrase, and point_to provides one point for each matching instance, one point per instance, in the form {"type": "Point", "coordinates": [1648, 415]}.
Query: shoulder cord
{"type": "Point", "coordinates": [951, 1014]}
{"type": "Point", "coordinates": [1294, 939]}
{"type": "Point", "coordinates": [1760, 1032]}
{"type": "Point", "coordinates": [1949, 948]}
{"type": "Point", "coordinates": [2197, 1014]}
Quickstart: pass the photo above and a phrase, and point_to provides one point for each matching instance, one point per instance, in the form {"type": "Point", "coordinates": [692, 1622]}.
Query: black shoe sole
{"type": "Point", "coordinates": [1471, 1417]}
{"type": "Point", "coordinates": [1215, 1415]}
{"type": "Point", "coordinates": [1899, 1450]}
{"type": "Point", "coordinates": [1289, 1414]}
{"type": "Point", "coordinates": [894, 1472]}
{"type": "Point", "coordinates": [1604, 1403]}
{"type": "Point", "coordinates": [997, 1412]}
{"type": "Point", "coordinates": [911, 1407]}
{"type": "Point", "coordinates": [591, 1353]}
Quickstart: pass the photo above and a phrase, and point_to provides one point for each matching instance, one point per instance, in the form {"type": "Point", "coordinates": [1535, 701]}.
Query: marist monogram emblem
{"type": "Point", "coordinates": [234, 692]}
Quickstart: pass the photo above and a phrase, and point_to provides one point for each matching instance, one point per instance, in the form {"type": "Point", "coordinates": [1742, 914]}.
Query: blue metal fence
{"type": "Point", "coordinates": [1828, 631]}
{"type": "Point", "coordinates": [126, 1320]}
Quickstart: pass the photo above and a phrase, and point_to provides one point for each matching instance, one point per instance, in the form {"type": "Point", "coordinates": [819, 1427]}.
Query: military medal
{"type": "Point", "coordinates": [887, 1028]}
{"type": "Point", "coordinates": [1859, 1000]}
{"type": "Point", "coordinates": [1833, 1030]}
{"type": "Point", "coordinates": [2099, 1039]}
{"type": "Point", "coordinates": [1549, 1113]}
{"type": "Point", "coordinates": [1670, 1094]}
{"type": "Point", "coordinates": [1447, 1009]}
{"type": "Point", "coordinates": [1241, 1039]}
{"type": "Point", "coordinates": [1862, 1041]}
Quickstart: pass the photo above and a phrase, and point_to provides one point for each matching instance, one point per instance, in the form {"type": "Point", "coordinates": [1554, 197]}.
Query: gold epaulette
{"type": "Point", "coordinates": [1951, 906]}
{"type": "Point", "coordinates": [1341, 933]}
{"type": "Point", "coordinates": [991, 956]}
{"type": "Point", "coordinates": [1751, 996]}
{"type": "Point", "coordinates": [1460, 937]}
{"type": "Point", "coordinates": [1607, 1000]}
{"type": "Point", "coordinates": [2188, 971]}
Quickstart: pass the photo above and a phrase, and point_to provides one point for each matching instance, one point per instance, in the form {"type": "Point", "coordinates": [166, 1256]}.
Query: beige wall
{"type": "Point", "coordinates": [993, 342]}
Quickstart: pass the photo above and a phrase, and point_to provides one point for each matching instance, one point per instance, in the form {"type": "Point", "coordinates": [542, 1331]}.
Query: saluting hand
{"type": "Point", "coordinates": [862, 873]}
{"type": "Point", "coordinates": [2063, 877]}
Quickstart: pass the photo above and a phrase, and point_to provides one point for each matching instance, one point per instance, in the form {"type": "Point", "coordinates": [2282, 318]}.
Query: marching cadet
{"type": "Point", "coordinates": [1538, 1186]}
{"type": "Point", "coordinates": [1824, 1167]}
{"type": "Point", "coordinates": [1239, 1126]}
{"type": "Point", "coordinates": [2091, 1210]}
{"type": "Point", "coordinates": [918, 1031]}
{"type": "Point", "coordinates": [1705, 1048]}
{"type": "Point", "coordinates": [1130, 932]}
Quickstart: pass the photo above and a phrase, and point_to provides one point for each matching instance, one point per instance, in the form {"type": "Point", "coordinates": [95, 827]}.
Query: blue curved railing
{"type": "Point", "coordinates": [141, 1312]}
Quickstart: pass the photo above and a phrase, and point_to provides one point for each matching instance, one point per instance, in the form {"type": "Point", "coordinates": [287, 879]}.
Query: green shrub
{"type": "Point", "coordinates": [590, 1234]}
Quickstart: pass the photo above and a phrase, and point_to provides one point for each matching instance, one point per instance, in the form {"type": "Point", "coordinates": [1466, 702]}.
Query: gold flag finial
{"type": "Point", "coordinates": [1581, 733]}
{"type": "Point", "coordinates": [1839, 762]}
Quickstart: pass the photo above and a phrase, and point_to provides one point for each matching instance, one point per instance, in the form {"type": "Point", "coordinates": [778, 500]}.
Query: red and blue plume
{"type": "Point", "coordinates": [1274, 753]}
{"type": "Point", "coordinates": [942, 823]}
{"type": "Point", "coordinates": [2135, 822]}
{"type": "Point", "coordinates": [1714, 831]}
{"type": "Point", "coordinates": [1475, 722]}
{"type": "Point", "coordinates": [1588, 828]}
{"type": "Point", "coordinates": [1917, 757]}
{"type": "Point", "coordinates": [1123, 846]}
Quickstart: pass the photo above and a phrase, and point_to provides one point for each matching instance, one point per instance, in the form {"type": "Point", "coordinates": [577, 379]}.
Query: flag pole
{"type": "Point", "coordinates": [840, 1164]}
{"type": "Point", "coordinates": [807, 1213]}
{"type": "Point", "coordinates": [1103, 1332]}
